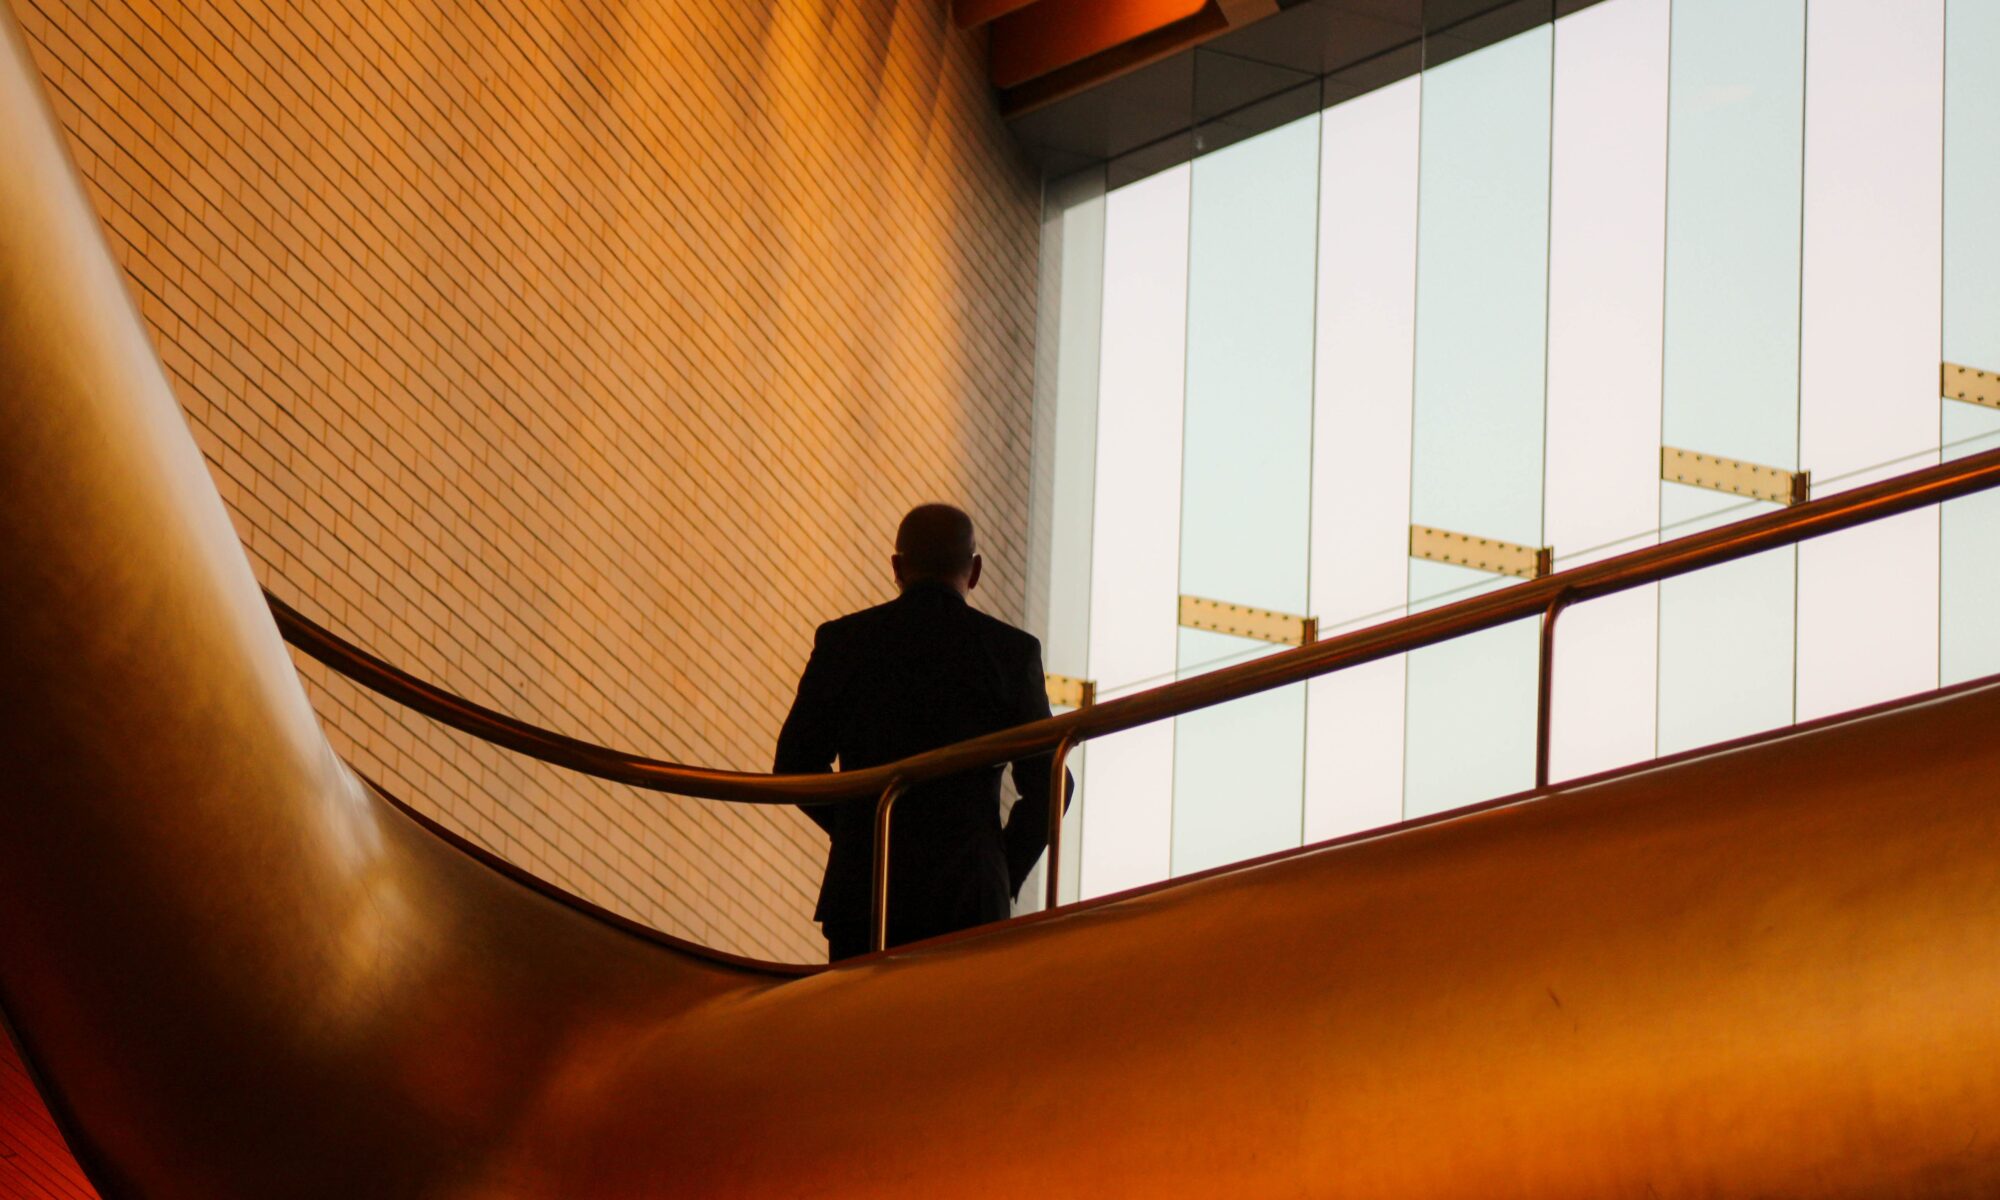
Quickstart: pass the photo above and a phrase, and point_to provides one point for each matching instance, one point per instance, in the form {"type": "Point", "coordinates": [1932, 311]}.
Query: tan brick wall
{"type": "Point", "coordinates": [580, 357]}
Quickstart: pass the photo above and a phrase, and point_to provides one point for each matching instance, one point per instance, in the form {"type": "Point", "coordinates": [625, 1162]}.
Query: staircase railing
{"type": "Point", "coordinates": [1544, 598]}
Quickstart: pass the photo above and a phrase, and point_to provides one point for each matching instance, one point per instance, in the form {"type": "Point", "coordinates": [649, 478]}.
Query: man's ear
{"type": "Point", "coordinates": [972, 580]}
{"type": "Point", "coordinates": [896, 568]}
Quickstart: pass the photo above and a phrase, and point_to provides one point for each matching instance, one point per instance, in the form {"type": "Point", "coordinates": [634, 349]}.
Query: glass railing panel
{"type": "Point", "coordinates": [1482, 304]}
{"type": "Point", "coordinates": [1366, 333]}
{"type": "Point", "coordinates": [1246, 477]}
{"type": "Point", "coordinates": [1969, 642]}
{"type": "Point", "coordinates": [1606, 285]}
{"type": "Point", "coordinates": [1136, 550]}
{"type": "Point", "coordinates": [1735, 152]}
{"type": "Point", "coordinates": [1868, 599]}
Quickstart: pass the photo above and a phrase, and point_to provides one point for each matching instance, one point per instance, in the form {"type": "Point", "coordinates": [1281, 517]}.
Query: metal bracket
{"type": "Point", "coordinates": [1969, 384]}
{"type": "Point", "coordinates": [1738, 478]}
{"type": "Point", "coordinates": [1066, 691]}
{"type": "Point", "coordinates": [1481, 554]}
{"type": "Point", "coordinates": [1258, 624]}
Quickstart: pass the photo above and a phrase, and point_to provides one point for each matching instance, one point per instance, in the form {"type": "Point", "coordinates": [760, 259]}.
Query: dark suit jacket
{"type": "Point", "coordinates": [922, 671]}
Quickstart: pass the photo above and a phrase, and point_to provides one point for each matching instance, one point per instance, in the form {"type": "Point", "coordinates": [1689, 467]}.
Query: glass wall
{"type": "Point", "coordinates": [1069, 328]}
{"type": "Point", "coordinates": [1870, 326]}
{"type": "Point", "coordinates": [1246, 480]}
{"type": "Point", "coordinates": [1476, 445]}
{"type": "Point", "coordinates": [1364, 356]}
{"type": "Point", "coordinates": [1127, 812]}
{"type": "Point", "coordinates": [1607, 271]}
{"type": "Point", "coordinates": [1512, 296]}
{"type": "Point", "coordinates": [1735, 154]}
{"type": "Point", "coordinates": [1969, 641]}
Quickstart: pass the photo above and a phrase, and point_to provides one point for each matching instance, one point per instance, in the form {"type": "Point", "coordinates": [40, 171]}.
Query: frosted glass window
{"type": "Point", "coordinates": [1066, 375]}
{"type": "Point", "coordinates": [1870, 330]}
{"type": "Point", "coordinates": [1606, 281]}
{"type": "Point", "coordinates": [1482, 305]}
{"type": "Point", "coordinates": [1245, 500]}
{"type": "Point", "coordinates": [1361, 450]}
{"type": "Point", "coordinates": [1734, 172]}
{"type": "Point", "coordinates": [1970, 540]}
{"type": "Point", "coordinates": [1136, 549]}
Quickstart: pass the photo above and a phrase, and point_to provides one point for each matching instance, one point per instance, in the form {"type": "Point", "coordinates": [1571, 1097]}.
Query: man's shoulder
{"type": "Point", "coordinates": [1012, 637]}
{"type": "Point", "coordinates": [855, 623]}
{"type": "Point", "coordinates": [889, 616]}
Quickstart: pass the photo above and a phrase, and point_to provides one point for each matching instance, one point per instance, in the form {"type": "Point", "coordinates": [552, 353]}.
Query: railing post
{"type": "Point", "coordinates": [1545, 686]}
{"type": "Point", "coordinates": [1058, 786]}
{"type": "Point", "coordinates": [878, 908]}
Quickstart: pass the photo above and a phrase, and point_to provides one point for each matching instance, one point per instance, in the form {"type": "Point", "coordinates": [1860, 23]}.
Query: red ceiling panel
{"type": "Point", "coordinates": [968, 13]}
{"type": "Point", "coordinates": [1046, 36]}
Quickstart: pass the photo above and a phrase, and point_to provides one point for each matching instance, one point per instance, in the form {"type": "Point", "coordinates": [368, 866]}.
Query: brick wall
{"type": "Point", "coordinates": [580, 357]}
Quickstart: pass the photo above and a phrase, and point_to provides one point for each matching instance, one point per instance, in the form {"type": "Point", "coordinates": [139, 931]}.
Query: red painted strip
{"type": "Point", "coordinates": [35, 1163]}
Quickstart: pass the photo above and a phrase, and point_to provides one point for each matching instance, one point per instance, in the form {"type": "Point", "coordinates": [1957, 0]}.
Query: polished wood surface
{"type": "Point", "coordinates": [1766, 970]}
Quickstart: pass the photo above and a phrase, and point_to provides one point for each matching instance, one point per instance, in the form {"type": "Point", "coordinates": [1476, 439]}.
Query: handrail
{"type": "Point", "coordinates": [1541, 597]}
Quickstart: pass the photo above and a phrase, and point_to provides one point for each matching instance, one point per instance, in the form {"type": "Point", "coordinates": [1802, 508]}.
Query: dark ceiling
{"type": "Point", "coordinates": [1310, 54]}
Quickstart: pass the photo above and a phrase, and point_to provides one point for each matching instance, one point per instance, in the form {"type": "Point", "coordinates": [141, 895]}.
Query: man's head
{"type": "Point", "coordinates": [934, 544]}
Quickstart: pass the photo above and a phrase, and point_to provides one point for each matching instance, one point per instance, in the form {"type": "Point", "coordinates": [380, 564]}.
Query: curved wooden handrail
{"type": "Point", "coordinates": [1650, 564]}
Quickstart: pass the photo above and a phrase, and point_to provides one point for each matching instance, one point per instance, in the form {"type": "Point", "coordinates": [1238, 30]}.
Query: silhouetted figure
{"type": "Point", "coordinates": [922, 671]}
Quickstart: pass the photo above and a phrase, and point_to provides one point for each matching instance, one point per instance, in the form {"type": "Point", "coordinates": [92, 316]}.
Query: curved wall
{"type": "Point", "coordinates": [579, 357]}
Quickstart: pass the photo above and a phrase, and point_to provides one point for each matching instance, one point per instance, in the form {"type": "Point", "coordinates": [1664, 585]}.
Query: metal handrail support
{"type": "Point", "coordinates": [878, 906]}
{"type": "Point", "coordinates": [1545, 685]}
{"type": "Point", "coordinates": [1058, 805]}
{"type": "Point", "coordinates": [1649, 564]}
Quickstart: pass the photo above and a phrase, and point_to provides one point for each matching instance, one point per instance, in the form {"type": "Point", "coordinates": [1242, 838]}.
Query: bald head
{"type": "Point", "coordinates": [934, 544]}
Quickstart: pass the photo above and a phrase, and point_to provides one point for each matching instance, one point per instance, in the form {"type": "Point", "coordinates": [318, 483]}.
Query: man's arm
{"type": "Point", "coordinates": [810, 738]}
{"type": "Point", "coordinates": [1028, 825]}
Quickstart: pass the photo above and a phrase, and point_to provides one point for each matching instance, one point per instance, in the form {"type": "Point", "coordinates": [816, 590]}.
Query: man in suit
{"type": "Point", "coordinates": [922, 671]}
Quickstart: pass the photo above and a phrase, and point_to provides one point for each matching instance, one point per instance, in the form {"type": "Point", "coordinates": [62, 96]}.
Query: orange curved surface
{"type": "Point", "coordinates": [1760, 971]}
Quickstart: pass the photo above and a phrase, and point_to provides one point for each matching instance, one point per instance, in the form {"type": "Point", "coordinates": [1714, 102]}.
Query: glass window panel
{"type": "Point", "coordinates": [1734, 173]}
{"type": "Point", "coordinates": [1066, 374]}
{"type": "Point", "coordinates": [1069, 314]}
{"type": "Point", "coordinates": [1071, 448]}
{"type": "Point", "coordinates": [1725, 640]}
{"type": "Point", "coordinates": [1136, 551]}
{"type": "Point", "coordinates": [1604, 711]}
{"type": "Point", "coordinates": [1969, 636]}
{"type": "Point", "coordinates": [1361, 450]}
{"type": "Point", "coordinates": [1239, 768]}
{"type": "Point", "coordinates": [1246, 478]}
{"type": "Point", "coordinates": [1970, 540]}
{"type": "Point", "coordinates": [1606, 279]}
{"type": "Point", "coordinates": [1868, 614]}
{"type": "Point", "coordinates": [1472, 705]}
{"type": "Point", "coordinates": [1734, 155]}
{"type": "Point", "coordinates": [1482, 305]}
{"type": "Point", "coordinates": [1870, 331]}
